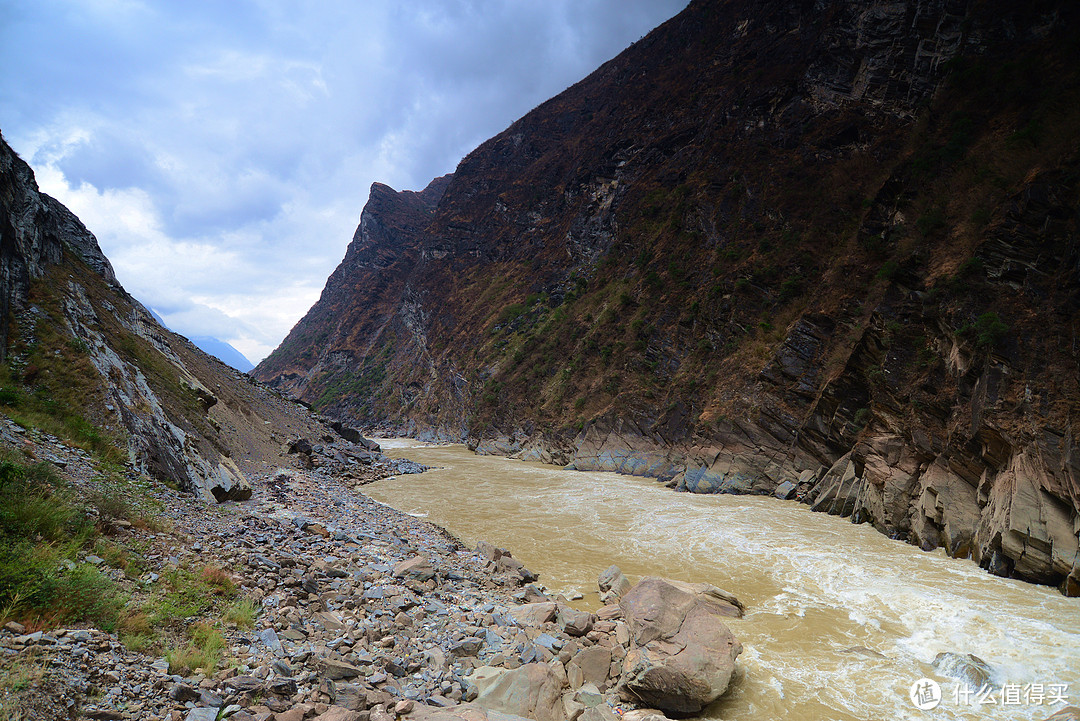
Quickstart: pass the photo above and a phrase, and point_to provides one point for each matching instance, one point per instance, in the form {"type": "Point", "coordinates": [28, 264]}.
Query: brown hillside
{"type": "Point", "coordinates": [827, 250]}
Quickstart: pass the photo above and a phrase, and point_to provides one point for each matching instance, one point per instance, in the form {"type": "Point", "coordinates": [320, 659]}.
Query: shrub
{"type": "Point", "coordinates": [930, 221]}
{"type": "Point", "coordinates": [218, 581]}
{"type": "Point", "coordinates": [84, 594]}
{"type": "Point", "coordinates": [861, 418]}
{"type": "Point", "coordinates": [989, 330]}
{"type": "Point", "coordinates": [888, 270]}
{"type": "Point", "coordinates": [136, 632]}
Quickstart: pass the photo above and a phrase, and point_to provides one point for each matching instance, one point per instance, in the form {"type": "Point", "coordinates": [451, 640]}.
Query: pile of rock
{"type": "Point", "coordinates": [368, 614]}
{"type": "Point", "coordinates": [356, 463]}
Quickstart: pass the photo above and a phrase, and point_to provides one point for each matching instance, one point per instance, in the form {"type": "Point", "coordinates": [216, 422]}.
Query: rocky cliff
{"type": "Point", "coordinates": [826, 250]}
{"type": "Point", "coordinates": [85, 361]}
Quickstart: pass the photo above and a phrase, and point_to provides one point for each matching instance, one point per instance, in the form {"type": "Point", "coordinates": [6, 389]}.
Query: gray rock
{"type": "Point", "coordinates": [336, 670]}
{"type": "Point", "coordinates": [202, 714]}
{"type": "Point", "coordinates": [968, 668]}
{"type": "Point", "coordinates": [785, 491]}
{"type": "Point", "coordinates": [682, 656]}
{"type": "Point", "coordinates": [182, 693]}
{"type": "Point", "coordinates": [269, 637]}
{"type": "Point", "coordinates": [613, 584]}
{"type": "Point", "coordinates": [417, 569]}
{"type": "Point", "coordinates": [244, 684]}
{"type": "Point", "coordinates": [467, 646]}
{"type": "Point", "coordinates": [574, 622]}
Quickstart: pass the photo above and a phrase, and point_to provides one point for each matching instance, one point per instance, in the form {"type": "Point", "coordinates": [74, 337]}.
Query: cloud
{"type": "Point", "coordinates": [222, 152]}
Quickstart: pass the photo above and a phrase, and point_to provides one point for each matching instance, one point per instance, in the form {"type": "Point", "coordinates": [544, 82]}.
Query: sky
{"type": "Point", "coordinates": [222, 150]}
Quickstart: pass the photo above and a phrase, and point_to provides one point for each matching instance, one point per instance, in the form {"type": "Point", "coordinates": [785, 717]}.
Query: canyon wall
{"type": "Point", "coordinates": [823, 250]}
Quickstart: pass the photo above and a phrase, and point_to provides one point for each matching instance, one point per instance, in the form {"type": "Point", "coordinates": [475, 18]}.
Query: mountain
{"type": "Point", "coordinates": [223, 352]}
{"type": "Point", "coordinates": [826, 250]}
{"type": "Point", "coordinates": [82, 360]}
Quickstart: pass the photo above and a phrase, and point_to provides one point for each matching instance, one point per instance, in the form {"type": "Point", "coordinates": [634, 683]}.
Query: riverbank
{"type": "Point", "coordinates": [840, 620]}
{"type": "Point", "coordinates": [355, 610]}
{"type": "Point", "coordinates": [1008, 509]}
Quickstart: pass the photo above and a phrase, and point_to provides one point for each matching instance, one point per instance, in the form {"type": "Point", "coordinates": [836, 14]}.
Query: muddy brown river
{"type": "Point", "coordinates": [841, 621]}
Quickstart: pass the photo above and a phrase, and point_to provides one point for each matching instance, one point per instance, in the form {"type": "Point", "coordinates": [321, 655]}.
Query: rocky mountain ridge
{"type": "Point", "coordinates": [86, 361]}
{"type": "Point", "coordinates": [825, 250]}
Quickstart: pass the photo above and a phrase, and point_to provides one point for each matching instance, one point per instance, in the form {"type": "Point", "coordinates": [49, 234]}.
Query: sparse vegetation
{"type": "Point", "coordinates": [42, 530]}
{"type": "Point", "coordinates": [987, 331]}
{"type": "Point", "coordinates": [242, 613]}
{"type": "Point", "coordinates": [203, 650]}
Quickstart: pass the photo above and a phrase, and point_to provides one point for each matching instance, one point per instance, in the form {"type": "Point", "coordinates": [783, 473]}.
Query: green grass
{"type": "Point", "coordinates": [44, 527]}
{"type": "Point", "coordinates": [204, 650]}
{"type": "Point", "coordinates": [242, 613]}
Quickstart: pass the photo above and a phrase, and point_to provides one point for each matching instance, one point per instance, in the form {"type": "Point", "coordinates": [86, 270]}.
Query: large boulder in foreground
{"type": "Point", "coordinates": [681, 656]}
{"type": "Point", "coordinates": [533, 691]}
{"type": "Point", "coordinates": [460, 712]}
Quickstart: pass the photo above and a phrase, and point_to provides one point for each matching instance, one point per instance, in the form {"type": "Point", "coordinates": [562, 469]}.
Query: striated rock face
{"type": "Point", "coordinates": [336, 355]}
{"type": "Point", "coordinates": [179, 415]}
{"type": "Point", "coordinates": [822, 250]}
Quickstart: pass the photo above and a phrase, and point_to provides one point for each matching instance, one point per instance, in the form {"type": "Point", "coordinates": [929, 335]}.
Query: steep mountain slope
{"type": "Point", "coordinates": [86, 361]}
{"type": "Point", "coordinates": [822, 249]}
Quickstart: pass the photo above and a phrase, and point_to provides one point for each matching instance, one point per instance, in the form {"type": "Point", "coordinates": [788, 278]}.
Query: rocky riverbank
{"type": "Point", "coordinates": [360, 612]}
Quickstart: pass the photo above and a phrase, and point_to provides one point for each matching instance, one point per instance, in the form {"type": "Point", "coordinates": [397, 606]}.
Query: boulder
{"type": "Point", "coordinates": [229, 484]}
{"type": "Point", "coordinates": [460, 712]}
{"type": "Point", "coordinates": [337, 713]}
{"type": "Point", "coordinates": [644, 714]}
{"type": "Point", "coordinates": [574, 622]}
{"type": "Point", "coordinates": [534, 614]}
{"type": "Point", "coordinates": [1069, 713]}
{"type": "Point", "coordinates": [613, 584]}
{"type": "Point", "coordinates": [417, 568]}
{"type": "Point", "coordinates": [300, 445]}
{"type": "Point", "coordinates": [785, 491]}
{"type": "Point", "coordinates": [511, 566]}
{"type": "Point", "coordinates": [602, 712]}
{"type": "Point", "coordinates": [533, 691]}
{"type": "Point", "coordinates": [969, 668]}
{"type": "Point", "coordinates": [681, 656]}
{"type": "Point", "coordinates": [595, 664]}
{"type": "Point", "coordinates": [244, 684]}
{"type": "Point", "coordinates": [337, 670]}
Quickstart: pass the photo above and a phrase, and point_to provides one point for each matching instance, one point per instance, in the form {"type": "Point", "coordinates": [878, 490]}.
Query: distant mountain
{"type": "Point", "coordinates": [223, 352]}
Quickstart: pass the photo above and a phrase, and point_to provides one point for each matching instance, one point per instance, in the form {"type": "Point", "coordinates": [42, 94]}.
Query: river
{"type": "Point", "coordinates": [840, 621]}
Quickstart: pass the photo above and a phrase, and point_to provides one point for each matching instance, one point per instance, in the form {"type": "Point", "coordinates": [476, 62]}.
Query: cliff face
{"type": "Point", "coordinates": [85, 360]}
{"type": "Point", "coordinates": [368, 307]}
{"type": "Point", "coordinates": [821, 249]}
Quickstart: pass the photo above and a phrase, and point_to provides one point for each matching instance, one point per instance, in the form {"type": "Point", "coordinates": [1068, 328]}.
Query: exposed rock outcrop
{"type": "Point", "coordinates": [176, 413]}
